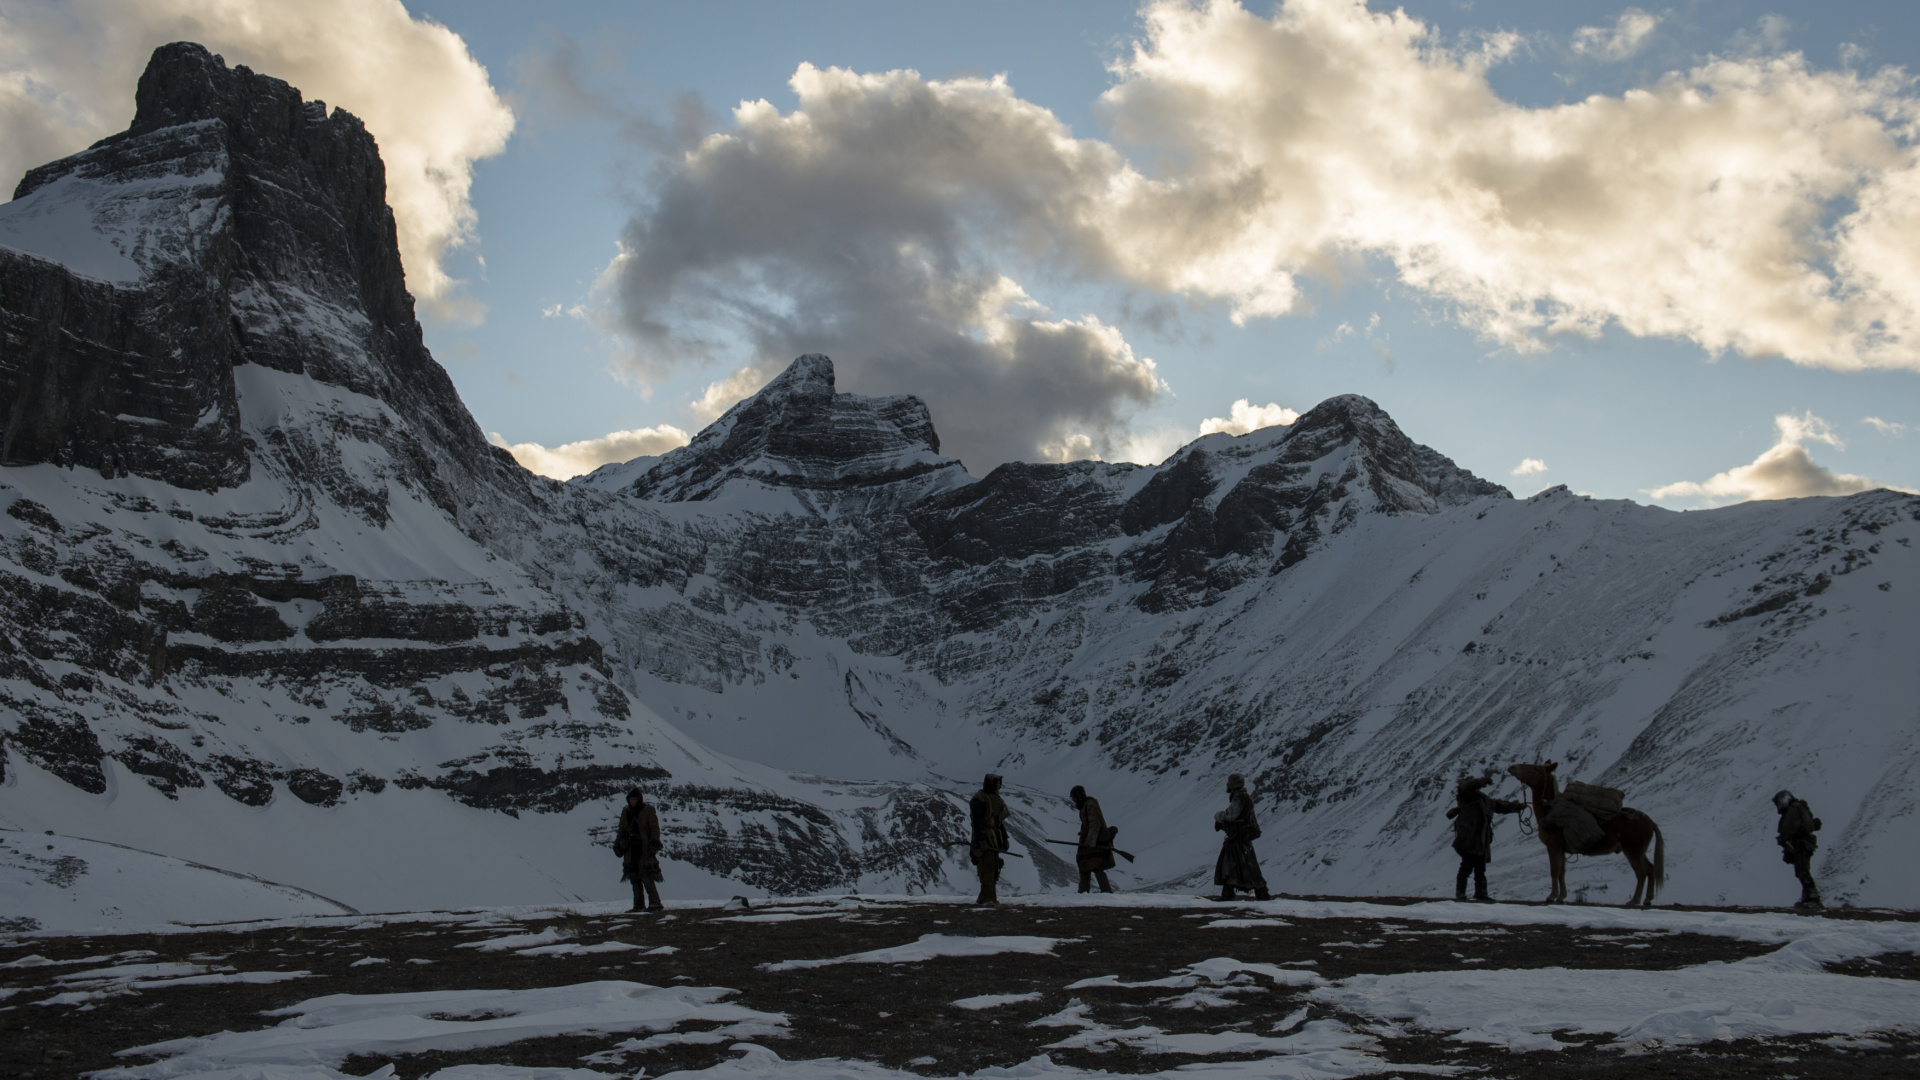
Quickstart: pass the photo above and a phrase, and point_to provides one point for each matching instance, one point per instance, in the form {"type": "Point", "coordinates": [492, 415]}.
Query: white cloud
{"type": "Point", "coordinates": [1075, 447]}
{"type": "Point", "coordinates": [722, 395]}
{"type": "Point", "coordinates": [869, 225]}
{"type": "Point", "coordinates": [1618, 41]}
{"type": "Point", "coordinates": [1884, 427]}
{"type": "Point", "coordinates": [574, 458]}
{"type": "Point", "coordinates": [1751, 204]}
{"type": "Point", "coordinates": [1244, 416]}
{"type": "Point", "coordinates": [67, 75]}
{"type": "Point", "coordinates": [1529, 467]}
{"type": "Point", "coordinates": [1701, 206]}
{"type": "Point", "coordinates": [1784, 471]}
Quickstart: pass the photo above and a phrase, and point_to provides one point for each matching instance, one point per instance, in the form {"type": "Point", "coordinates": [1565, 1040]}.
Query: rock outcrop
{"type": "Point", "coordinates": [833, 452]}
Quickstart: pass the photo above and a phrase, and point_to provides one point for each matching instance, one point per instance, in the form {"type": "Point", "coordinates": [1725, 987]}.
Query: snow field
{"type": "Point", "coordinates": [326, 1031]}
{"type": "Point", "coordinates": [1785, 992]}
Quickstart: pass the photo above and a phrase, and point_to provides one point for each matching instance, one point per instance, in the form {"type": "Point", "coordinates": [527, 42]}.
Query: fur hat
{"type": "Point", "coordinates": [1077, 793]}
{"type": "Point", "coordinates": [992, 782]}
{"type": "Point", "coordinates": [635, 793]}
{"type": "Point", "coordinates": [1236, 782]}
{"type": "Point", "coordinates": [1782, 799]}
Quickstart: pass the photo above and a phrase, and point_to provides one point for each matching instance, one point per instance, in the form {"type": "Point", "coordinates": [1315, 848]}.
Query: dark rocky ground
{"type": "Point", "coordinates": [892, 1014]}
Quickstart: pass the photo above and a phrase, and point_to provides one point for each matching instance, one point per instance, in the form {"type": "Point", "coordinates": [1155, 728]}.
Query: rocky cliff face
{"type": "Point", "coordinates": [255, 549]}
{"type": "Point", "coordinates": [264, 578]}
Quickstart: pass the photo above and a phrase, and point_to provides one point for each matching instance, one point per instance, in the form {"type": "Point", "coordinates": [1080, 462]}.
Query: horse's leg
{"type": "Point", "coordinates": [1558, 858]}
{"type": "Point", "coordinates": [1641, 871]}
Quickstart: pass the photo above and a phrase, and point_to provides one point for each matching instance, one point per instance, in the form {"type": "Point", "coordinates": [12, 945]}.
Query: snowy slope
{"type": "Point", "coordinates": [273, 605]}
{"type": "Point", "coordinates": [1699, 660]}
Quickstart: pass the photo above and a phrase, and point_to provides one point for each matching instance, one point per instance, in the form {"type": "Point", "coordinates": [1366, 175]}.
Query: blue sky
{"type": "Point", "coordinates": [594, 89]}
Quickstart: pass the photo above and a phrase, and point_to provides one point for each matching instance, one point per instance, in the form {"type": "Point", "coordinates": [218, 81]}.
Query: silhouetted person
{"type": "Point", "coordinates": [1096, 841]}
{"type": "Point", "coordinates": [1797, 843]}
{"type": "Point", "coordinates": [1238, 867]}
{"type": "Point", "coordinates": [989, 814]}
{"type": "Point", "coordinates": [638, 845]}
{"type": "Point", "coordinates": [1472, 817]}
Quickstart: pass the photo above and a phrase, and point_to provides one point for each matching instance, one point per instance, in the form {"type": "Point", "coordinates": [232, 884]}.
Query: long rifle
{"type": "Point", "coordinates": [1127, 855]}
{"type": "Point", "coordinates": [969, 843]}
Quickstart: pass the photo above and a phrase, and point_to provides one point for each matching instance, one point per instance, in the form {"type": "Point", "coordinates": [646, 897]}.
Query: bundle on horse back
{"type": "Point", "coordinates": [1581, 813]}
{"type": "Point", "coordinates": [1601, 802]}
{"type": "Point", "coordinates": [1576, 823]}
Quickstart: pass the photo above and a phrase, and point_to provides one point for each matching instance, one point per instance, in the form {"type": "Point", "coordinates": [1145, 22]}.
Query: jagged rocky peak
{"type": "Point", "coordinates": [798, 434]}
{"type": "Point", "coordinates": [232, 223]}
{"type": "Point", "coordinates": [1404, 476]}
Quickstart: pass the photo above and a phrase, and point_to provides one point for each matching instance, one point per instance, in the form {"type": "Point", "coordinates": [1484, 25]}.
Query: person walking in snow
{"type": "Point", "coordinates": [1472, 816]}
{"type": "Point", "coordinates": [1096, 841]}
{"type": "Point", "coordinates": [1797, 843]}
{"type": "Point", "coordinates": [989, 816]}
{"type": "Point", "coordinates": [638, 845]}
{"type": "Point", "coordinates": [1238, 867]}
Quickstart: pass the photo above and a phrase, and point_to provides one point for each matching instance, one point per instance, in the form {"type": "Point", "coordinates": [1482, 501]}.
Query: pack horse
{"type": "Point", "coordinates": [1591, 821]}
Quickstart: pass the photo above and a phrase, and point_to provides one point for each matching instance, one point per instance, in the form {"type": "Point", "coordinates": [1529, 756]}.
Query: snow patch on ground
{"type": "Point", "coordinates": [928, 947]}
{"type": "Point", "coordinates": [1785, 992]}
{"type": "Point", "coordinates": [325, 1031]}
{"type": "Point", "coordinates": [992, 1001]}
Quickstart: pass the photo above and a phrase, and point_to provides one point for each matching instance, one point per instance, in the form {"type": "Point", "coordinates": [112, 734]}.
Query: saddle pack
{"type": "Point", "coordinates": [1578, 825]}
{"type": "Point", "coordinates": [1601, 802]}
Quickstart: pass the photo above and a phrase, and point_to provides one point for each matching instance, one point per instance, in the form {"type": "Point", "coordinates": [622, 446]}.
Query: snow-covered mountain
{"type": "Point", "coordinates": [274, 605]}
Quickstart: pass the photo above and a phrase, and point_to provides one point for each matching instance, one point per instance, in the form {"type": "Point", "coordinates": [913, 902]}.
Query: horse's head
{"type": "Point", "coordinates": [1538, 777]}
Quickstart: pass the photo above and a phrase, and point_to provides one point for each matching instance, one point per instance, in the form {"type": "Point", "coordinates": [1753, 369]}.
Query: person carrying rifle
{"type": "Point", "coordinates": [1096, 841]}
{"type": "Point", "coordinates": [989, 815]}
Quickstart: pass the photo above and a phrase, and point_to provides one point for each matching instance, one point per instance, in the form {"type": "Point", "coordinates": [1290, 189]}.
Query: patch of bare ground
{"type": "Point", "coordinates": [1899, 965]}
{"type": "Point", "coordinates": [898, 1015]}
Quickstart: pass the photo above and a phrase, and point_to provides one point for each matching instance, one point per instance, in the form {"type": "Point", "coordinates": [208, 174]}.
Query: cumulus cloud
{"type": "Point", "coordinates": [869, 224]}
{"type": "Point", "coordinates": [572, 459]}
{"type": "Point", "coordinates": [1786, 470]}
{"type": "Point", "coordinates": [1244, 416]}
{"type": "Point", "coordinates": [1712, 205]}
{"type": "Point", "coordinates": [67, 74]}
{"type": "Point", "coordinates": [1752, 204]}
{"type": "Point", "coordinates": [721, 394]}
{"type": "Point", "coordinates": [1529, 467]}
{"type": "Point", "coordinates": [1619, 41]}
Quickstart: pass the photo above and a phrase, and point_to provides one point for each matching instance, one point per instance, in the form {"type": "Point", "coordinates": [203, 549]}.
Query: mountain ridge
{"type": "Point", "coordinates": [304, 596]}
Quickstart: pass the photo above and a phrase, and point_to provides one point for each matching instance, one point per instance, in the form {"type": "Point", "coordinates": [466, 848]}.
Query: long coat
{"type": "Point", "coordinates": [1473, 822]}
{"type": "Point", "coordinates": [1096, 849]}
{"type": "Point", "coordinates": [1797, 825]}
{"type": "Point", "coordinates": [639, 837]}
{"type": "Point", "coordinates": [988, 815]}
{"type": "Point", "coordinates": [1237, 866]}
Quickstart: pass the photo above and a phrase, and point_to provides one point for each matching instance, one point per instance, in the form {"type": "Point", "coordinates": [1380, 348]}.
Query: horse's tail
{"type": "Point", "coordinates": [1659, 879]}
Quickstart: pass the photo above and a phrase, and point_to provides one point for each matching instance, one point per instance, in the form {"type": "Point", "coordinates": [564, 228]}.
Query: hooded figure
{"type": "Point", "coordinates": [1096, 841]}
{"type": "Point", "coordinates": [638, 845]}
{"type": "Point", "coordinates": [989, 816]}
{"type": "Point", "coordinates": [1797, 843]}
{"type": "Point", "coordinates": [1238, 867]}
{"type": "Point", "coordinates": [1472, 817]}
